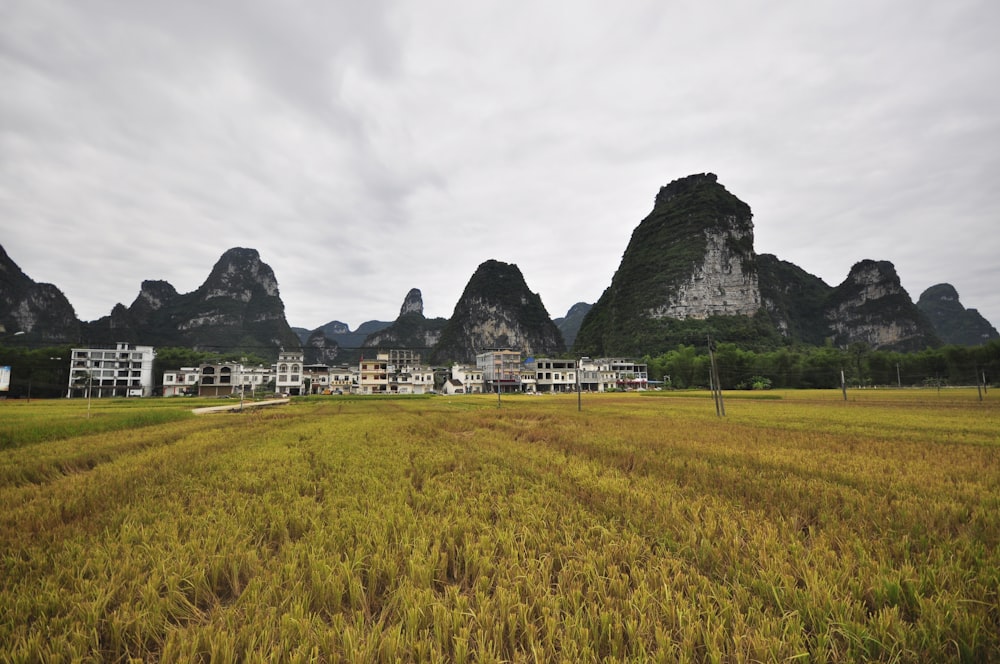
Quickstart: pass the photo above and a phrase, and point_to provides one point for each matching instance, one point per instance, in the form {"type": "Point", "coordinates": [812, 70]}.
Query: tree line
{"type": "Point", "coordinates": [687, 366]}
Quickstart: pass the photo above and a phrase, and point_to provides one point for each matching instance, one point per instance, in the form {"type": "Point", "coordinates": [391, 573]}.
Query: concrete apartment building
{"type": "Point", "coordinates": [464, 380]}
{"type": "Point", "coordinates": [501, 369]}
{"type": "Point", "coordinates": [394, 372]}
{"type": "Point", "coordinates": [343, 379]}
{"type": "Point", "coordinates": [180, 382]}
{"type": "Point", "coordinates": [288, 373]}
{"type": "Point", "coordinates": [400, 372]}
{"type": "Point", "coordinates": [219, 380]}
{"type": "Point", "coordinates": [216, 380]}
{"type": "Point", "coordinates": [324, 379]}
{"type": "Point", "coordinates": [552, 375]}
{"type": "Point", "coordinates": [125, 370]}
{"type": "Point", "coordinates": [629, 375]}
{"type": "Point", "coordinates": [595, 377]}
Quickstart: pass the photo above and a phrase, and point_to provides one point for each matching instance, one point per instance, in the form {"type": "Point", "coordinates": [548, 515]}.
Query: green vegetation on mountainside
{"type": "Point", "coordinates": [665, 250]}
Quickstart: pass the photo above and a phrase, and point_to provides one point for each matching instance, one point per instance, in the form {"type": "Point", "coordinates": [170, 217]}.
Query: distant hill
{"type": "Point", "coordinates": [335, 343]}
{"type": "Point", "coordinates": [953, 322]}
{"type": "Point", "coordinates": [237, 308]}
{"type": "Point", "coordinates": [40, 311]}
{"type": "Point", "coordinates": [569, 324]}
{"type": "Point", "coordinates": [497, 310]}
{"type": "Point", "coordinates": [871, 307]}
{"type": "Point", "coordinates": [411, 330]}
{"type": "Point", "coordinates": [690, 271]}
{"type": "Point", "coordinates": [793, 299]}
{"type": "Point", "coordinates": [342, 334]}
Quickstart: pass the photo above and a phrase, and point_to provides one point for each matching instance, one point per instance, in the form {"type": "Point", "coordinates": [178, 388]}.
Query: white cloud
{"type": "Point", "coordinates": [365, 148]}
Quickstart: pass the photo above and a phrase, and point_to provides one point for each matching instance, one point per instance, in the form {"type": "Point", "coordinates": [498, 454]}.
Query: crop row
{"type": "Point", "coordinates": [453, 530]}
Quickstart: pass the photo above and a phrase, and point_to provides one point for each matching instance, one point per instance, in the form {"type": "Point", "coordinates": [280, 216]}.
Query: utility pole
{"type": "Point", "coordinates": [713, 379]}
{"type": "Point", "coordinates": [579, 392]}
{"type": "Point", "coordinates": [498, 369]}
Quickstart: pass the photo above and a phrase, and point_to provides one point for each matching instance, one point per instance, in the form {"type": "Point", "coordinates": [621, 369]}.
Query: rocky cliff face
{"type": "Point", "coordinates": [413, 303]}
{"type": "Point", "coordinates": [40, 311]}
{"type": "Point", "coordinates": [953, 322]}
{"type": "Point", "coordinates": [723, 284]}
{"type": "Point", "coordinates": [691, 258]}
{"type": "Point", "coordinates": [320, 349]}
{"type": "Point", "coordinates": [718, 230]}
{"type": "Point", "coordinates": [237, 308]}
{"type": "Point", "coordinates": [497, 310]}
{"type": "Point", "coordinates": [411, 330]}
{"type": "Point", "coordinates": [153, 296]}
{"type": "Point", "coordinates": [872, 307]}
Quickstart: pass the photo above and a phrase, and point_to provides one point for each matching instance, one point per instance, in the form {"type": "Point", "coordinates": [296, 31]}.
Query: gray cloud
{"type": "Point", "coordinates": [365, 148]}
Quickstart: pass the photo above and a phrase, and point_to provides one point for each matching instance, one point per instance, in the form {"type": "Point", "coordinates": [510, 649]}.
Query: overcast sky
{"type": "Point", "coordinates": [366, 148]}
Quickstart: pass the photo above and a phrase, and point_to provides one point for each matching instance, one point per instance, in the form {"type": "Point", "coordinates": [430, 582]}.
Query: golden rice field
{"type": "Point", "coordinates": [644, 528]}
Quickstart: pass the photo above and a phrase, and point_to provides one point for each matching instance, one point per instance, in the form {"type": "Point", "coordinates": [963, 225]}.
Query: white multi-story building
{"type": "Point", "coordinates": [288, 375]}
{"type": "Point", "coordinates": [394, 372]}
{"type": "Point", "coordinates": [180, 382]}
{"type": "Point", "coordinates": [464, 380]}
{"type": "Point", "coordinates": [343, 379]}
{"type": "Point", "coordinates": [123, 371]}
{"type": "Point", "coordinates": [316, 378]}
{"type": "Point", "coordinates": [629, 375]}
{"type": "Point", "coordinates": [216, 379]}
{"type": "Point", "coordinates": [324, 379]}
{"type": "Point", "coordinates": [595, 377]}
{"type": "Point", "coordinates": [219, 379]}
{"type": "Point", "coordinates": [552, 375]}
{"type": "Point", "coordinates": [501, 369]}
{"type": "Point", "coordinates": [255, 379]}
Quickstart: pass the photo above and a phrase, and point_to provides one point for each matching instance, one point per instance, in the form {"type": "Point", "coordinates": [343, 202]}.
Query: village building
{"type": "Point", "coordinates": [180, 382]}
{"type": "Point", "coordinates": [124, 370]}
{"type": "Point", "coordinates": [501, 369]}
{"type": "Point", "coordinates": [317, 378]}
{"type": "Point", "coordinates": [324, 379]}
{"type": "Point", "coordinates": [464, 379]}
{"type": "Point", "coordinates": [629, 375]}
{"type": "Point", "coordinates": [394, 372]}
{"type": "Point", "coordinates": [552, 375]}
{"type": "Point", "coordinates": [218, 379]}
{"type": "Point", "coordinates": [288, 373]}
{"type": "Point", "coordinates": [595, 377]}
{"type": "Point", "coordinates": [343, 379]}
{"type": "Point", "coordinates": [373, 377]}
